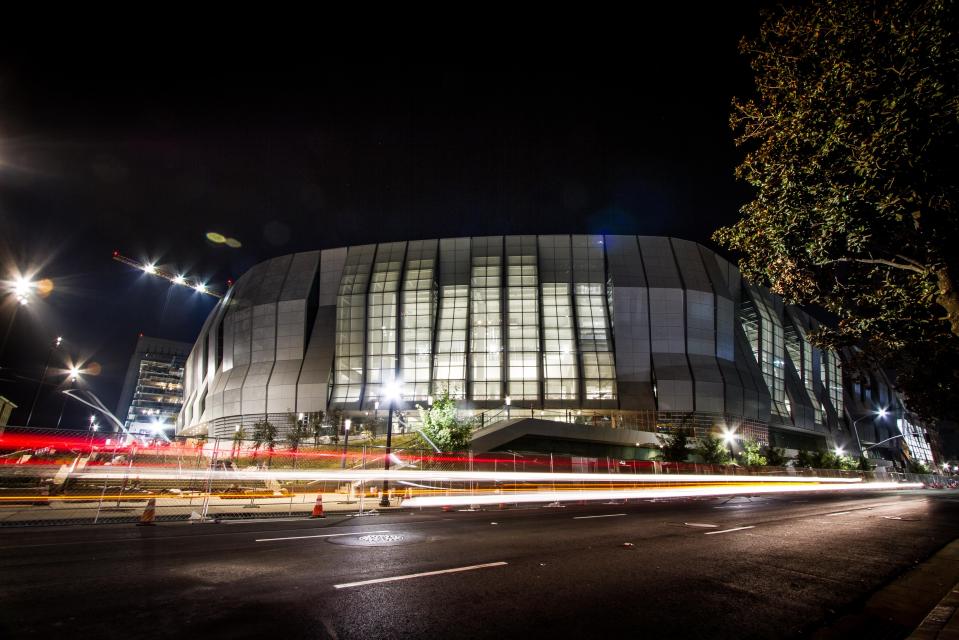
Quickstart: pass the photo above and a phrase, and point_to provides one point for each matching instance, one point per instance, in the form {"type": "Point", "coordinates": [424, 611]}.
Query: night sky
{"type": "Point", "coordinates": [147, 152]}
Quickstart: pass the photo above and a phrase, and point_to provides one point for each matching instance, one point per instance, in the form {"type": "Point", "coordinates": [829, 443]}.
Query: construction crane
{"type": "Point", "coordinates": [175, 278]}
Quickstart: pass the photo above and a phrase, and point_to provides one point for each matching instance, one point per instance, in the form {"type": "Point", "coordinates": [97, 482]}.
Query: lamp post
{"type": "Point", "coordinates": [43, 376]}
{"type": "Point", "coordinates": [509, 401]}
{"type": "Point", "coordinates": [392, 393]}
{"type": "Point", "coordinates": [881, 413]}
{"type": "Point", "coordinates": [346, 440]}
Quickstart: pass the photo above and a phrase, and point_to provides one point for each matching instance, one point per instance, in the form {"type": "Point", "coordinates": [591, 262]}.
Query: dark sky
{"type": "Point", "coordinates": [146, 152]}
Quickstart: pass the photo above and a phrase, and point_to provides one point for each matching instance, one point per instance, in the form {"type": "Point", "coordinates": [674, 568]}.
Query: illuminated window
{"type": "Point", "coordinates": [416, 340]}
{"type": "Point", "coordinates": [523, 330]}
{"type": "Point", "coordinates": [599, 367]}
{"type": "Point", "coordinates": [486, 347]}
{"type": "Point", "coordinates": [559, 355]}
{"type": "Point", "coordinates": [381, 327]}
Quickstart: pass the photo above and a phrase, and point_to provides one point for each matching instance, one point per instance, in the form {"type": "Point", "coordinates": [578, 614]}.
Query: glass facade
{"type": "Point", "coordinates": [766, 338]}
{"type": "Point", "coordinates": [486, 328]}
{"type": "Point", "coordinates": [158, 396]}
{"type": "Point", "coordinates": [559, 343]}
{"type": "Point", "coordinates": [449, 365]}
{"type": "Point", "coordinates": [523, 340]}
{"type": "Point", "coordinates": [599, 368]}
{"type": "Point", "coordinates": [351, 326]}
{"type": "Point", "coordinates": [417, 311]}
{"type": "Point", "coordinates": [381, 342]}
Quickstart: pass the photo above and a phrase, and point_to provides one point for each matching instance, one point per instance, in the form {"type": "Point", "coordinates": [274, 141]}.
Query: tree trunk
{"type": "Point", "coordinates": [948, 298]}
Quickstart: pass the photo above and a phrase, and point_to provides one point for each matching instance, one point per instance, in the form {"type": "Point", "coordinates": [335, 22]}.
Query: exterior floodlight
{"type": "Point", "coordinates": [839, 451]}
{"type": "Point", "coordinates": [393, 390]}
{"type": "Point", "coordinates": [882, 413]}
{"type": "Point", "coordinates": [74, 373]}
{"type": "Point", "coordinates": [150, 268]}
{"type": "Point", "coordinates": [729, 437]}
{"type": "Point", "coordinates": [347, 424]}
{"type": "Point", "coordinates": [178, 279]}
{"type": "Point", "coordinates": [199, 286]}
{"type": "Point", "coordinates": [509, 401]}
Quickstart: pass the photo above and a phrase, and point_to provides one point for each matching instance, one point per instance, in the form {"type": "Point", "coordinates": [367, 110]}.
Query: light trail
{"type": "Point", "coordinates": [679, 492]}
{"type": "Point", "coordinates": [368, 475]}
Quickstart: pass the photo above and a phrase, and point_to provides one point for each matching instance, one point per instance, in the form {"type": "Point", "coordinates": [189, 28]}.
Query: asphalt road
{"type": "Point", "coordinates": [766, 568]}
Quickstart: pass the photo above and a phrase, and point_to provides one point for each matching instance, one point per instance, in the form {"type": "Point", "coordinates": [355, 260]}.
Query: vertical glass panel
{"type": "Point", "coordinates": [416, 342]}
{"type": "Point", "coordinates": [559, 343]}
{"type": "Point", "coordinates": [523, 330]}
{"type": "Point", "coordinates": [599, 371]}
{"type": "Point", "coordinates": [350, 322]}
{"type": "Point", "coordinates": [449, 364]}
{"type": "Point", "coordinates": [381, 328]}
{"type": "Point", "coordinates": [486, 317]}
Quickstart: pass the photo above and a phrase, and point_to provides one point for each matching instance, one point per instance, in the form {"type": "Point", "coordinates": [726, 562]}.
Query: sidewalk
{"type": "Point", "coordinates": [913, 604]}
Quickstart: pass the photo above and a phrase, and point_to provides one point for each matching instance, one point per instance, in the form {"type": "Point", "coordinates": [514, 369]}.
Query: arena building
{"type": "Point", "coordinates": [582, 343]}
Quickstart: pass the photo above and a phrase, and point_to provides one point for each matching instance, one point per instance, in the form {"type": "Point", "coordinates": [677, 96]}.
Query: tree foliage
{"type": "Point", "coordinates": [443, 427]}
{"type": "Point", "coordinates": [674, 447]}
{"type": "Point", "coordinates": [750, 455]}
{"type": "Point", "coordinates": [299, 432]}
{"type": "Point", "coordinates": [776, 456]}
{"type": "Point", "coordinates": [264, 433]}
{"type": "Point", "coordinates": [712, 450]}
{"type": "Point", "coordinates": [852, 140]}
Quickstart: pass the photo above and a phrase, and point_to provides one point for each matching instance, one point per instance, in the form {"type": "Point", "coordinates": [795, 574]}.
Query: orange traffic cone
{"type": "Point", "coordinates": [149, 514]}
{"type": "Point", "coordinates": [318, 507]}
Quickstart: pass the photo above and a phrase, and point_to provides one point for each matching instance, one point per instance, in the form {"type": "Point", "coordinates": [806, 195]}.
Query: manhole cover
{"type": "Point", "coordinates": [380, 538]}
{"type": "Point", "coordinates": [377, 539]}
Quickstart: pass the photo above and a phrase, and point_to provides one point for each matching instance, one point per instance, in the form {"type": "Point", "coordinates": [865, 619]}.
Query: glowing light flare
{"type": "Point", "coordinates": [199, 286]}
{"type": "Point", "coordinates": [882, 413]}
{"type": "Point", "coordinates": [179, 279]}
{"type": "Point", "coordinates": [150, 268]}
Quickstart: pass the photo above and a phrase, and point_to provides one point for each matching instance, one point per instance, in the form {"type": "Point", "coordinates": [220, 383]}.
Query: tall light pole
{"type": "Point", "coordinates": [881, 413]}
{"type": "Point", "coordinates": [43, 376]}
{"type": "Point", "coordinates": [392, 391]}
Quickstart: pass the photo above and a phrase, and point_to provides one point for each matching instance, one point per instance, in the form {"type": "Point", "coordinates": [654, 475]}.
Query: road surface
{"type": "Point", "coordinates": [765, 568]}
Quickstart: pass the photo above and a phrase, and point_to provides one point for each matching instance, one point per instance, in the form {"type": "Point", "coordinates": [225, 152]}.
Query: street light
{"type": "Point", "coordinates": [509, 401]}
{"type": "Point", "coordinates": [729, 437]}
{"type": "Point", "coordinates": [346, 440]}
{"type": "Point", "coordinates": [46, 365]}
{"type": "Point", "coordinates": [880, 413]}
{"type": "Point", "coordinates": [392, 391]}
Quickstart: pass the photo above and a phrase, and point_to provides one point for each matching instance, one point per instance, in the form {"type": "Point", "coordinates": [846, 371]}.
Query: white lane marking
{"type": "Point", "coordinates": [471, 567]}
{"type": "Point", "coordinates": [262, 520]}
{"type": "Point", "coordinates": [711, 533]}
{"type": "Point", "coordinates": [605, 515]}
{"type": "Point", "coordinates": [700, 524]}
{"type": "Point", "coordinates": [325, 535]}
{"type": "Point", "coordinates": [838, 513]}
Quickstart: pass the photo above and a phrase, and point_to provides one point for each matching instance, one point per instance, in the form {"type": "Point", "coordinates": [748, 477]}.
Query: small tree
{"type": "Point", "coordinates": [806, 459]}
{"type": "Point", "coordinates": [750, 456]}
{"type": "Point", "coordinates": [238, 436]}
{"type": "Point", "coordinates": [264, 433]}
{"type": "Point", "coordinates": [775, 456]}
{"type": "Point", "coordinates": [442, 426]}
{"type": "Point", "coordinates": [298, 433]}
{"type": "Point", "coordinates": [674, 447]}
{"type": "Point", "coordinates": [864, 464]}
{"type": "Point", "coordinates": [712, 450]}
{"type": "Point", "coordinates": [918, 467]}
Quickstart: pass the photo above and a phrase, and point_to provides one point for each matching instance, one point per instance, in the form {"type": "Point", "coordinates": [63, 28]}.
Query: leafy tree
{"type": "Point", "coordinates": [443, 427]}
{"type": "Point", "coordinates": [712, 450]}
{"type": "Point", "coordinates": [864, 464]}
{"type": "Point", "coordinates": [750, 456]}
{"type": "Point", "coordinates": [674, 447]}
{"type": "Point", "coordinates": [298, 433]}
{"type": "Point", "coordinates": [918, 467]}
{"type": "Point", "coordinates": [264, 433]}
{"type": "Point", "coordinates": [806, 459]}
{"type": "Point", "coordinates": [852, 139]}
{"type": "Point", "coordinates": [775, 456]}
{"type": "Point", "coordinates": [238, 436]}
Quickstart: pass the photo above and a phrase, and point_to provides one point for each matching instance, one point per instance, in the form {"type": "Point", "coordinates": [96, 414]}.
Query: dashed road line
{"type": "Point", "coordinates": [605, 515]}
{"type": "Point", "coordinates": [712, 533]}
{"type": "Point", "coordinates": [409, 576]}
